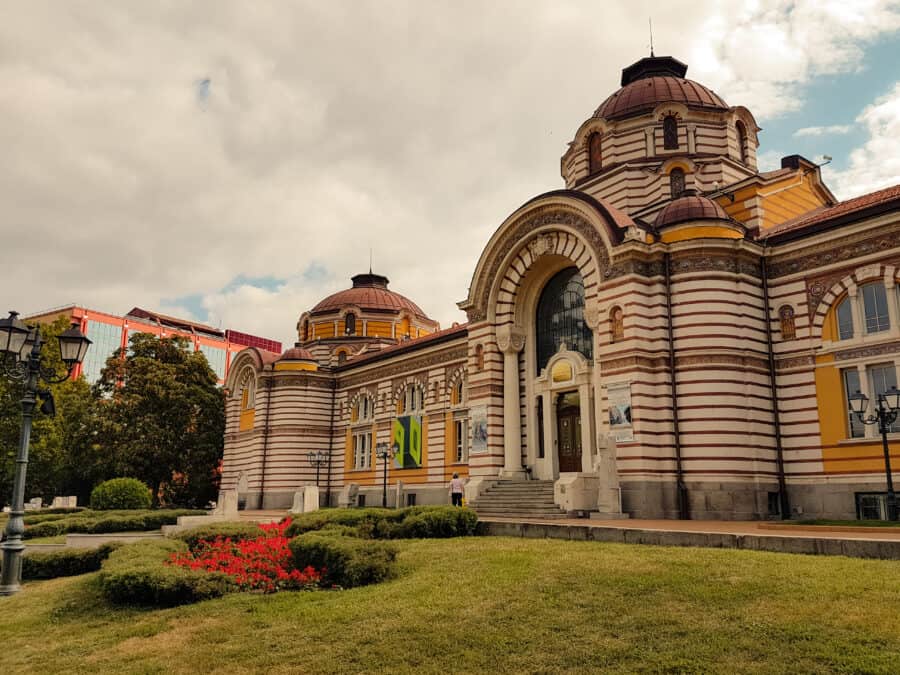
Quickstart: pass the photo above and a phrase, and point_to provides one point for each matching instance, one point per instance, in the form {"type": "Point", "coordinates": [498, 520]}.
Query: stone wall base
{"type": "Point", "coordinates": [706, 500]}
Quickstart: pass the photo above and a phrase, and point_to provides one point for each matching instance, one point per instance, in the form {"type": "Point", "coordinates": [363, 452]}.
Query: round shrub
{"type": "Point", "coordinates": [344, 561]}
{"type": "Point", "coordinates": [120, 493]}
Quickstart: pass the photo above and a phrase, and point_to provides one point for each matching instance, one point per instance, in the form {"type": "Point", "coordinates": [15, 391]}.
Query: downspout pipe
{"type": "Point", "coordinates": [270, 382]}
{"type": "Point", "coordinates": [783, 501]}
{"type": "Point", "coordinates": [330, 444]}
{"type": "Point", "coordinates": [680, 487]}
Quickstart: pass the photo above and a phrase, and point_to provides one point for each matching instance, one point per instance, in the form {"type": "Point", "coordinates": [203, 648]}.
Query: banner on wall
{"type": "Point", "coordinates": [407, 438]}
{"type": "Point", "coordinates": [619, 397]}
{"type": "Point", "coordinates": [478, 417]}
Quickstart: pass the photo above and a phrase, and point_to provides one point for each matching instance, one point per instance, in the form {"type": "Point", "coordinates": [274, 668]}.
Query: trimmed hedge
{"type": "Point", "coordinates": [377, 523]}
{"type": "Point", "coordinates": [236, 531]}
{"type": "Point", "coordinates": [316, 520]}
{"type": "Point", "coordinates": [121, 493]}
{"type": "Point", "coordinates": [137, 575]}
{"type": "Point", "coordinates": [112, 521]}
{"type": "Point", "coordinates": [345, 561]}
{"type": "Point", "coordinates": [65, 563]}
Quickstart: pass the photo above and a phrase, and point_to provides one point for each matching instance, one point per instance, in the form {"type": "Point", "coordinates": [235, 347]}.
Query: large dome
{"type": "Point", "coordinates": [655, 80]}
{"type": "Point", "coordinates": [369, 292]}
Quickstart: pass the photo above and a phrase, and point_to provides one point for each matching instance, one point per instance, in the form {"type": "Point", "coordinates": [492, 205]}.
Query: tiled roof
{"type": "Point", "coordinates": [645, 94]}
{"type": "Point", "coordinates": [297, 354]}
{"type": "Point", "coordinates": [820, 218]}
{"type": "Point", "coordinates": [409, 345]}
{"type": "Point", "coordinates": [369, 298]}
{"type": "Point", "coordinates": [690, 207]}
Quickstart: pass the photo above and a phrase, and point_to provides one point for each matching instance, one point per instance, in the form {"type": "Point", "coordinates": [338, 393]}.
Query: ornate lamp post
{"type": "Point", "coordinates": [20, 361]}
{"type": "Point", "coordinates": [385, 452]}
{"type": "Point", "coordinates": [317, 458]}
{"type": "Point", "coordinates": [885, 415]}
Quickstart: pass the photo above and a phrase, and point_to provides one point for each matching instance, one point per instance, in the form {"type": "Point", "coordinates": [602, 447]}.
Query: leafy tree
{"type": "Point", "coordinates": [61, 449]}
{"type": "Point", "coordinates": [162, 417]}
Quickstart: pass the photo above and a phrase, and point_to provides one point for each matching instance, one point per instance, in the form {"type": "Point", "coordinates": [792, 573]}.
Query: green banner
{"type": "Point", "coordinates": [407, 439]}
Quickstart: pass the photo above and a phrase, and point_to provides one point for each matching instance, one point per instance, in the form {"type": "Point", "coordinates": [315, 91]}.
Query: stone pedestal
{"type": "Point", "coordinates": [306, 499]}
{"type": "Point", "coordinates": [348, 496]}
{"type": "Point", "coordinates": [227, 504]}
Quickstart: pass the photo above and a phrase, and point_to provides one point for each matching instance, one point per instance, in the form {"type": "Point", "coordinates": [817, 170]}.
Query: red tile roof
{"type": "Point", "coordinates": [690, 207]}
{"type": "Point", "coordinates": [822, 217]}
{"type": "Point", "coordinates": [646, 93]}
{"type": "Point", "coordinates": [409, 345]}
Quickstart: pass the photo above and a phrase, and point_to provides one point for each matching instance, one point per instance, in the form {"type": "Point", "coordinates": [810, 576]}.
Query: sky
{"type": "Point", "coordinates": [236, 162]}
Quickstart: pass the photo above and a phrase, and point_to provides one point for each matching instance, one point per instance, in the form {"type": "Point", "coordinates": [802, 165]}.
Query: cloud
{"type": "Point", "coordinates": [411, 128]}
{"type": "Point", "coordinates": [876, 164]}
{"type": "Point", "coordinates": [824, 131]}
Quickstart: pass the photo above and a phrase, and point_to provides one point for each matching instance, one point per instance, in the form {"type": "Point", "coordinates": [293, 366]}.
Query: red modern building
{"type": "Point", "coordinates": [110, 332]}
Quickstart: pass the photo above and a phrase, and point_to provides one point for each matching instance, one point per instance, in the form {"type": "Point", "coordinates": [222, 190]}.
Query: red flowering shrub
{"type": "Point", "coordinates": [261, 564]}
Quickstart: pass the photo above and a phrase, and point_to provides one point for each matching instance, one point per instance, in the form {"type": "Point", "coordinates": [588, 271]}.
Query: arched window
{"type": "Point", "coordinates": [413, 400]}
{"type": "Point", "coordinates": [342, 357]}
{"type": "Point", "coordinates": [595, 152]}
{"type": "Point", "coordinates": [875, 307]}
{"type": "Point", "coordinates": [350, 324]}
{"type": "Point", "coordinates": [560, 318]}
{"type": "Point", "coordinates": [742, 140]}
{"type": "Point", "coordinates": [788, 329]}
{"type": "Point", "coordinates": [363, 409]}
{"type": "Point", "coordinates": [479, 357]}
{"type": "Point", "coordinates": [456, 394]}
{"type": "Point", "coordinates": [676, 182]}
{"type": "Point", "coordinates": [670, 132]}
{"type": "Point", "coordinates": [248, 391]}
{"type": "Point", "coordinates": [616, 324]}
{"type": "Point", "coordinates": [845, 319]}
{"type": "Point", "coordinates": [304, 330]}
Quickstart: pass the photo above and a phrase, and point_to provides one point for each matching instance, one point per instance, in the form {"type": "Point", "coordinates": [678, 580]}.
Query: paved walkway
{"type": "Point", "coordinates": [759, 536]}
{"type": "Point", "coordinates": [765, 528]}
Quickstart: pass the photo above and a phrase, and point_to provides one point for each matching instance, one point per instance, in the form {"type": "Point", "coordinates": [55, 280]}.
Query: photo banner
{"type": "Point", "coordinates": [478, 415]}
{"type": "Point", "coordinates": [407, 438]}
{"type": "Point", "coordinates": [619, 396]}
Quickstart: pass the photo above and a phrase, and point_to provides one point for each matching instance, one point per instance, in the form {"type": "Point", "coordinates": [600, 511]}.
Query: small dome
{"type": "Point", "coordinates": [370, 292]}
{"type": "Point", "coordinates": [690, 206]}
{"type": "Point", "coordinates": [655, 80]}
{"type": "Point", "coordinates": [297, 353]}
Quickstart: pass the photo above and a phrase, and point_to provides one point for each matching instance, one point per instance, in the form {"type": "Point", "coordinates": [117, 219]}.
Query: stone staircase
{"type": "Point", "coordinates": [531, 499]}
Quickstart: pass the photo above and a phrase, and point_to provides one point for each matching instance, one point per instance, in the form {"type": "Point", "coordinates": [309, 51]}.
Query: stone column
{"type": "Point", "coordinates": [890, 287]}
{"type": "Point", "coordinates": [510, 340]}
{"type": "Point", "coordinates": [587, 433]}
{"type": "Point", "coordinates": [692, 138]}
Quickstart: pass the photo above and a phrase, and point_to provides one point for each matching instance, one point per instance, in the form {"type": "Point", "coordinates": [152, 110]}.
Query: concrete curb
{"type": "Point", "coordinates": [853, 548]}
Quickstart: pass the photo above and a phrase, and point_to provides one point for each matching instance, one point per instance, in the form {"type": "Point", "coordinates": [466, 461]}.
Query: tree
{"type": "Point", "coordinates": [61, 449]}
{"type": "Point", "coordinates": [162, 417]}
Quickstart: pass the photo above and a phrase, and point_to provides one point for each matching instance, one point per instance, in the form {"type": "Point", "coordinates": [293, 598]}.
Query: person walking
{"type": "Point", "coordinates": [456, 490]}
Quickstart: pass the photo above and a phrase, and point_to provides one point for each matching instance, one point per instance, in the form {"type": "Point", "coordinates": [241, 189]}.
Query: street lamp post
{"type": "Point", "coordinates": [385, 452]}
{"type": "Point", "coordinates": [20, 361]}
{"type": "Point", "coordinates": [886, 412]}
{"type": "Point", "coordinates": [317, 458]}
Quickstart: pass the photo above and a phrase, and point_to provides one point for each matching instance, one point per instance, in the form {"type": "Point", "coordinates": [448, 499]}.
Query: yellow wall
{"type": "Point", "coordinates": [839, 454]}
{"type": "Point", "coordinates": [324, 329]}
{"type": "Point", "coordinates": [247, 419]}
{"type": "Point", "coordinates": [378, 329]}
{"type": "Point", "coordinates": [782, 200]}
{"type": "Point", "coordinates": [700, 232]}
{"type": "Point", "coordinates": [296, 365]}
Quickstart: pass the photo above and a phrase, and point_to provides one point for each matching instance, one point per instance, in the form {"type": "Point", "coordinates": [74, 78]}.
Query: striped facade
{"type": "Point", "coordinates": [695, 365]}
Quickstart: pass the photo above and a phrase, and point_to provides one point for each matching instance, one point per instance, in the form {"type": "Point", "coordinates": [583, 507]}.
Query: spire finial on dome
{"type": "Point", "coordinates": [650, 19]}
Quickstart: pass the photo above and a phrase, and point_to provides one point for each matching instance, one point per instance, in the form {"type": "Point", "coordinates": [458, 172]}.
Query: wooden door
{"type": "Point", "coordinates": [568, 433]}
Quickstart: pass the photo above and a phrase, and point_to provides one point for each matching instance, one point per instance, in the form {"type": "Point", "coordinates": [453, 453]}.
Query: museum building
{"type": "Point", "coordinates": [673, 334]}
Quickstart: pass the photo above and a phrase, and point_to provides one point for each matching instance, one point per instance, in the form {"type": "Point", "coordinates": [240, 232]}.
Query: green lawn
{"type": "Point", "coordinates": [483, 605]}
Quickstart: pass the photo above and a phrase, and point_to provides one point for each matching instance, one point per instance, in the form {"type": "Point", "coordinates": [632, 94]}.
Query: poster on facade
{"type": "Point", "coordinates": [407, 438]}
{"type": "Point", "coordinates": [478, 416]}
{"type": "Point", "coordinates": [619, 397]}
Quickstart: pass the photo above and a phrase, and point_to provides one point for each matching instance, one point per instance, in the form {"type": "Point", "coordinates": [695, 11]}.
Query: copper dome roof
{"type": "Point", "coordinates": [369, 291]}
{"type": "Point", "coordinates": [690, 207]}
{"type": "Point", "coordinates": [296, 353]}
{"type": "Point", "coordinates": [655, 80]}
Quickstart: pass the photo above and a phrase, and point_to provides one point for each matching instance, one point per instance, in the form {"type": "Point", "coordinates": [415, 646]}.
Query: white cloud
{"type": "Point", "coordinates": [876, 164]}
{"type": "Point", "coordinates": [824, 131]}
{"type": "Point", "coordinates": [410, 127]}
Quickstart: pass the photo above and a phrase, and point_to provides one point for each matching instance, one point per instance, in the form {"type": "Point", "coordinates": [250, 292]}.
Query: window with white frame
{"type": "Point", "coordinates": [362, 450]}
{"type": "Point", "coordinates": [413, 399]}
{"type": "Point", "coordinates": [461, 439]}
{"type": "Point", "coordinates": [845, 319]}
{"type": "Point", "coordinates": [875, 307]}
{"type": "Point", "coordinates": [363, 409]}
{"type": "Point", "coordinates": [880, 377]}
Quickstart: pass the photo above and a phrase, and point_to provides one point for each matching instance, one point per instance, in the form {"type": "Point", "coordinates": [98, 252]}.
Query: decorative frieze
{"type": "Point", "coordinates": [868, 351]}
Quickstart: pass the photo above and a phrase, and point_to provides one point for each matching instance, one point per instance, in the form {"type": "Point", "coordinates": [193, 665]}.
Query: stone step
{"type": "Point", "coordinates": [559, 515]}
{"type": "Point", "coordinates": [492, 491]}
{"type": "Point", "coordinates": [511, 503]}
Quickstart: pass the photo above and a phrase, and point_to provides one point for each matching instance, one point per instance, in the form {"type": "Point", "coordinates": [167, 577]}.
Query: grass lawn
{"type": "Point", "coordinates": [483, 605]}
